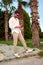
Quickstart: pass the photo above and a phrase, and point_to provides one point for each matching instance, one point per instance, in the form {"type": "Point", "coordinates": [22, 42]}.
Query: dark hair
{"type": "Point", "coordinates": [17, 12]}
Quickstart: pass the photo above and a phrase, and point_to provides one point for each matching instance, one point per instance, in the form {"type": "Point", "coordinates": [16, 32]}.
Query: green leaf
{"type": "Point", "coordinates": [7, 2]}
{"type": "Point", "coordinates": [24, 3]}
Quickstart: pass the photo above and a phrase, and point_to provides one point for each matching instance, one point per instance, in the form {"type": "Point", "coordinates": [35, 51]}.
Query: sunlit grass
{"type": "Point", "coordinates": [41, 54]}
{"type": "Point", "coordinates": [28, 42]}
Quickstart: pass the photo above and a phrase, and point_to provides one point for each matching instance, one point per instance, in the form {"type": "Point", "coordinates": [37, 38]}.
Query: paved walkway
{"type": "Point", "coordinates": [24, 61]}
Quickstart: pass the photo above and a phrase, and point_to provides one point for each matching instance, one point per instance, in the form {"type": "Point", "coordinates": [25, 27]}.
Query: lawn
{"type": "Point", "coordinates": [28, 42]}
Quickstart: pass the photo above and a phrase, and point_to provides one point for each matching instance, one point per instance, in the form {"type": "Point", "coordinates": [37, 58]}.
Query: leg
{"type": "Point", "coordinates": [15, 39]}
{"type": "Point", "coordinates": [22, 41]}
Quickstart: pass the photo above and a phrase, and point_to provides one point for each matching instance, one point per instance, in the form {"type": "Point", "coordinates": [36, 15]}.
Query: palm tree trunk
{"type": "Point", "coordinates": [21, 17]}
{"type": "Point", "coordinates": [6, 25]}
{"type": "Point", "coordinates": [35, 24]}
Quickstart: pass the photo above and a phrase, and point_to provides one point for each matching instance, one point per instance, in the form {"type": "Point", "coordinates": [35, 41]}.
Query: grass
{"type": "Point", "coordinates": [9, 42]}
{"type": "Point", "coordinates": [41, 54]}
{"type": "Point", "coordinates": [41, 46]}
{"type": "Point", "coordinates": [41, 39]}
{"type": "Point", "coordinates": [28, 42]}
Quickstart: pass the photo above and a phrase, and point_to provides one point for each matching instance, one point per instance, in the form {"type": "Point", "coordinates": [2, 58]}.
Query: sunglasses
{"type": "Point", "coordinates": [17, 14]}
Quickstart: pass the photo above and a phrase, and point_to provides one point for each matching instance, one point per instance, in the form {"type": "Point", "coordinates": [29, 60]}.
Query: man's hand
{"type": "Point", "coordinates": [18, 26]}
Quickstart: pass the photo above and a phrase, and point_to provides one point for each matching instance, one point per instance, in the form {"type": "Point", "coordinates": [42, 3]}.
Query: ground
{"type": "Point", "coordinates": [25, 59]}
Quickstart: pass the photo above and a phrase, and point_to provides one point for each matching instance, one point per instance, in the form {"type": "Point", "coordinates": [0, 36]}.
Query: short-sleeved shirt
{"type": "Point", "coordinates": [13, 22]}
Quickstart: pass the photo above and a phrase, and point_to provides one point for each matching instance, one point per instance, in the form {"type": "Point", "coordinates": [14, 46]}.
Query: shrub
{"type": "Point", "coordinates": [27, 28]}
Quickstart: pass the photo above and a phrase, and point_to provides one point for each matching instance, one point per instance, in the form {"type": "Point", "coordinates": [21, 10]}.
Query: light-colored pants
{"type": "Point", "coordinates": [19, 36]}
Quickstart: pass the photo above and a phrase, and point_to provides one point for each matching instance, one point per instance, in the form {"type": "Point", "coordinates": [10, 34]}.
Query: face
{"type": "Point", "coordinates": [16, 15]}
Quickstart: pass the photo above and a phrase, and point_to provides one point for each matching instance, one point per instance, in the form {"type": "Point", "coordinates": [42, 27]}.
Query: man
{"type": "Point", "coordinates": [16, 32]}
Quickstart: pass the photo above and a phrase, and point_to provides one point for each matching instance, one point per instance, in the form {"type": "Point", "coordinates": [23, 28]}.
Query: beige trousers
{"type": "Point", "coordinates": [19, 36]}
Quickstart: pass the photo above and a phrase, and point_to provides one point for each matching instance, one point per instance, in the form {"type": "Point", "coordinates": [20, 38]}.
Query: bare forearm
{"type": "Point", "coordinates": [20, 26]}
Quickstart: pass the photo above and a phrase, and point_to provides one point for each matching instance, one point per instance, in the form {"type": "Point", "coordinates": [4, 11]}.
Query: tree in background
{"type": "Point", "coordinates": [27, 25]}
{"type": "Point", "coordinates": [6, 5]}
{"type": "Point", "coordinates": [27, 29]}
{"type": "Point", "coordinates": [35, 23]}
{"type": "Point", "coordinates": [2, 29]}
{"type": "Point", "coordinates": [20, 3]}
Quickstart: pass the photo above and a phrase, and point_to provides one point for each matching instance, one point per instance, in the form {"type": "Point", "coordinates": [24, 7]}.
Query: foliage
{"type": "Point", "coordinates": [27, 29]}
{"type": "Point", "coordinates": [7, 2]}
{"type": "Point", "coordinates": [24, 3]}
{"type": "Point", "coordinates": [2, 33]}
{"type": "Point", "coordinates": [41, 54]}
{"type": "Point", "coordinates": [41, 34]}
{"type": "Point", "coordinates": [28, 42]}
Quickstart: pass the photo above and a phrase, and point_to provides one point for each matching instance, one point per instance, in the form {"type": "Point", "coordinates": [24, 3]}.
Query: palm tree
{"type": "Point", "coordinates": [5, 4]}
{"type": "Point", "coordinates": [35, 24]}
{"type": "Point", "coordinates": [21, 16]}
{"type": "Point", "coordinates": [20, 3]}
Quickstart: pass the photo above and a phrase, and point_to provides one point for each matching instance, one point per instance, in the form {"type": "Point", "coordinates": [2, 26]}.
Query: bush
{"type": "Point", "coordinates": [41, 34]}
{"type": "Point", "coordinates": [27, 29]}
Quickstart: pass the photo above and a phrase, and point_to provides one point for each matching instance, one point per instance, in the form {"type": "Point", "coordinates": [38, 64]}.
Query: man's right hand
{"type": "Point", "coordinates": [18, 26]}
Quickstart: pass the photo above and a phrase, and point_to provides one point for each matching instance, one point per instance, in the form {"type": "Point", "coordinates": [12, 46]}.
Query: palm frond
{"type": "Point", "coordinates": [6, 2]}
{"type": "Point", "coordinates": [12, 8]}
{"type": "Point", "coordinates": [19, 0]}
{"type": "Point", "coordinates": [24, 3]}
{"type": "Point", "coordinates": [1, 4]}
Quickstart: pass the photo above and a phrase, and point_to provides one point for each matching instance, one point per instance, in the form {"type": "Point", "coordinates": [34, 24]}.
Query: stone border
{"type": "Point", "coordinates": [8, 53]}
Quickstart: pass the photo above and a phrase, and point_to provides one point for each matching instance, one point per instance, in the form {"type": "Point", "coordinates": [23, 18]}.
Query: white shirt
{"type": "Point", "coordinates": [13, 22]}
